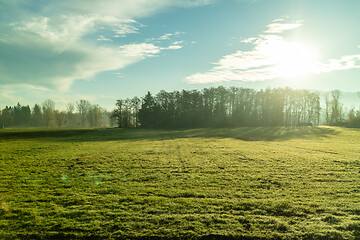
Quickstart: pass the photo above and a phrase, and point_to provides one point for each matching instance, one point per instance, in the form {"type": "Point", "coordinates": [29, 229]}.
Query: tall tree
{"type": "Point", "coordinates": [135, 105]}
{"type": "Point", "coordinates": [336, 109]}
{"type": "Point", "coordinates": [117, 114]}
{"type": "Point", "coordinates": [83, 107]}
{"type": "Point", "coordinates": [48, 107]}
{"type": "Point", "coordinates": [7, 118]}
{"type": "Point", "coordinates": [70, 116]}
{"type": "Point", "coordinates": [148, 114]}
{"type": "Point", "coordinates": [95, 116]}
{"type": "Point", "coordinates": [37, 117]}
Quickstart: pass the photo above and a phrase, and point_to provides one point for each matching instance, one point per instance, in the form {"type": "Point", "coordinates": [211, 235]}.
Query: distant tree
{"type": "Point", "coordinates": [7, 118]}
{"type": "Point", "coordinates": [117, 114]}
{"type": "Point", "coordinates": [21, 115]}
{"type": "Point", "coordinates": [353, 118]}
{"type": "Point", "coordinates": [83, 107]}
{"type": "Point", "coordinates": [127, 113]}
{"type": "Point", "coordinates": [220, 108]}
{"type": "Point", "coordinates": [48, 104]}
{"type": "Point", "coordinates": [70, 116]}
{"type": "Point", "coordinates": [25, 114]}
{"type": "Point", "coordinates": [123, 114]}
{"type": "Point", "coordinates": [351, 115]}
{"type": "Point", "coordinates": [48, 109]}
{"type": "Point", "coordinates": [196, 111]}
{"type": "Point", "coordinates": [60, 117]}
{"type": "Point", "coordinates": [148, 114]}
{"type": "Point", "coordinates": [208, 106]}
{"type": "Point", "coordinates": [17, 121]}
{"type": "Point", "coordinates": [37, 116]}
{"type": "Point", "coordinates": [336, 110]}
{"type": "Point", "coordinates": [327, 109]}
{"type": "Point", "coordinates": [95, 116]}
{"type": "Point", "coordinates": [135, 105]}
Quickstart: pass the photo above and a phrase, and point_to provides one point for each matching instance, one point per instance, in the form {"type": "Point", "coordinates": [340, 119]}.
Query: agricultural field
{"type": "Point", "coordinates": [243, 183]}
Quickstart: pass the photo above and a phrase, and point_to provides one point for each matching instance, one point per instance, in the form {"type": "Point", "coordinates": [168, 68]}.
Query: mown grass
{"type": "Point", "coordinates": [244, 183]}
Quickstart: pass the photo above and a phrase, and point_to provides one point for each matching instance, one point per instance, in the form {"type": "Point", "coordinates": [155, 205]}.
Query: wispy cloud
{"type": "Point", "coordinates": [119, 75]}
{"type": "Point", "coordinates": [172, 47]}
{"type": "Point", "coordinates": [102, 38]}
{"type": "Point", "coordinates": [129, 27]}
{"type": "Point", "coordinates": [141, 50]}
{"type": "Point", "coordinates": [277, 26]}
{"type": "Point", "coordinates": [165, 36]}
{"type": "Point", "coordinates": [343, 63]}
{"type": "Point", "coordinates": [168, 36]}
{"type": "Point", "coordinates": [63, 41]}
{"type": "Point", "coordinates": [248, 40]}
{"type": "Point", "coordinates": [169, 39]}
{"type": "Point", "coordinates": [272, 56]}
{"type": "Point", "coordinates": [125, 8]}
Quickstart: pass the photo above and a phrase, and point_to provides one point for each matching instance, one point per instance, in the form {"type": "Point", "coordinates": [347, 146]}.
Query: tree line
{"type": "Point", "coordinates": [80, 114]}
{"type": "Point", "coordinates": [233, 107]}
{"type": "Point", "coordinates": [209, 107]}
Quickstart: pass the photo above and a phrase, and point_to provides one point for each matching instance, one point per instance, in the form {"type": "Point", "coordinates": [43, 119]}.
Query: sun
{"type": "Point", "coordinates": [292, 60]}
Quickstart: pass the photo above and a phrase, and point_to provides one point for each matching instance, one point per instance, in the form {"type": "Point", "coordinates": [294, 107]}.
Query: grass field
{"type": "Point", "coordinates": [246, 183]}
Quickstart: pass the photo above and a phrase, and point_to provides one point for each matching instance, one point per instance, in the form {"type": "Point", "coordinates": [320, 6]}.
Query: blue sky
{"type": "Point", "coordinates": [105, 50]}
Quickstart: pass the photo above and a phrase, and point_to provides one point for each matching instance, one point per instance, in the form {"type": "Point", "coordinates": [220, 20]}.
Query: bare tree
{"type": "Point", "coordinates": [83, 107]}
{"type": "Point", "coordinates": [49, 113]}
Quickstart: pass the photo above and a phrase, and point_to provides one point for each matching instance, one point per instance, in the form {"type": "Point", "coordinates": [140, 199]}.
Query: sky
{"type": "Point", "coordinates": [115, 49]}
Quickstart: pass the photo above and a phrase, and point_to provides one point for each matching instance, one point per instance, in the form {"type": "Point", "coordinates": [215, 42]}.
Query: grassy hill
{"type": "Point", "coordinates": [246, 183]}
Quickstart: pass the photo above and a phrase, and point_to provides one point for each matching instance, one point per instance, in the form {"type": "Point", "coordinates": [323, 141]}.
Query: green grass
{"type": "Point", "coordinates": [246, 183]}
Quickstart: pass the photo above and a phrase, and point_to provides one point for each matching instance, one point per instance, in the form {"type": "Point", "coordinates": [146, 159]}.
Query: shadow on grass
{"type": "Point", "coordinates": [113, 134]}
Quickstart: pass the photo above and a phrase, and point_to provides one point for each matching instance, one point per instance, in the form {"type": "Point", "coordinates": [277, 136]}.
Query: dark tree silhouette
{"type": "Point", "coordinates": [222, 107]}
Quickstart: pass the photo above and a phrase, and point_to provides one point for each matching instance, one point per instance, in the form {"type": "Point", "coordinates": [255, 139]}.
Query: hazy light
{"type": "Point", "coordinates": [292, 59]}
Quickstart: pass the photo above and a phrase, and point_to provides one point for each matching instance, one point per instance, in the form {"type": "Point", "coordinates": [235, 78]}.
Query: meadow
{"type": "Point", "coordinates": [229, 183]}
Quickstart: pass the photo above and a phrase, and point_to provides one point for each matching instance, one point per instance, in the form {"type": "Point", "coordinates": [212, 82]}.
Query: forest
{"type": "Point", "coordinates": [209, 107]}
{"type": "Point", "coordinates": [234, 107]}
{"type": "Point", "coordinates": [81, 114]}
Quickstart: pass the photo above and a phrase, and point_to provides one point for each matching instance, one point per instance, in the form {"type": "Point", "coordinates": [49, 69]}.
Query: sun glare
{"type": "Point", "coordinates": [292, 60]}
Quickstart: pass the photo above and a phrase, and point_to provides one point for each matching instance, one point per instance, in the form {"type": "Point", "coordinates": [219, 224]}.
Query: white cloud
{"type": "Point", "coordinates": [178, 42]}
{"type": "Point", "coordinates": [129, 27]}
{"type": "Point", "coordinates": [63, 30]}
{"type": "Point", "coordinates": [126, 8]}
{"type": "Point", "coordinates": [165, 36]}
{"type": "Point", "coordinates": [56, 54]}
{"type": "Point", "coordinates": [141, 50]}
{"type": "Point", "coordinates": [119, 75]}
{"type": "Point", "coordinates": [102, 38]}
{"type": "Point", "coordinates": [272, 56]}
{"type": "Point", "coordinates": [248, 40]}
{"type": "Point", "coordinates": [168, 36]}
{"type": "Point", "coordinates": [172, 47]}
{"type": "Point", "coordinates": [278, 27]}
{"type": "Point", "coordinates": [64, 43]}
{"type": "Point", "coordinates": [278, 20]}
{"type": "Point", "coordinates": [343, 63]}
